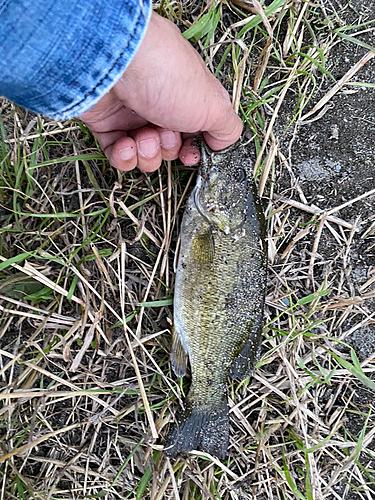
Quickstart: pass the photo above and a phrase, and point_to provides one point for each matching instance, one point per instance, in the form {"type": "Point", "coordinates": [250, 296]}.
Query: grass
{"type": "Point", "coordinates": [86, 289]}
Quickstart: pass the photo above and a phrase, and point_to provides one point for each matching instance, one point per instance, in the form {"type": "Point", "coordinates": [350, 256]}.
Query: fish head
{"type": "Point", "coordinates": [223, 193]}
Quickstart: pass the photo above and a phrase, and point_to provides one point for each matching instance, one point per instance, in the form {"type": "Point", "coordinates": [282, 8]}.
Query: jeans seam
{"type": "Point", "coordinates": [66, 110]}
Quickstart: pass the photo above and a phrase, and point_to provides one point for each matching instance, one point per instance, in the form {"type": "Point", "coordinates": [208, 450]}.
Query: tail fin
{"type": "Point", "coordinates": [199, 428]}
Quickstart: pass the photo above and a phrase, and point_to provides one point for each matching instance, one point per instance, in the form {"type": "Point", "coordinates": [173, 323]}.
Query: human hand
{"type": "Point", "coordinates": [166, 94]}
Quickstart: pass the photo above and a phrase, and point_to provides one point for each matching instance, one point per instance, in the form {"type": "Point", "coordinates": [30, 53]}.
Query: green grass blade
{"type": "Point", "coordinates": [87, 156]}
{"type": "Point", "coordinates": [355, 370]}
{"type": "Point", "coordinates": [143, 483]}
{"type": "Point", "coordinates": [356, 41]}
{"type": "Point", "coordinates": [163, 301]}
{"type": "Point", "coordinates": [15, 260]}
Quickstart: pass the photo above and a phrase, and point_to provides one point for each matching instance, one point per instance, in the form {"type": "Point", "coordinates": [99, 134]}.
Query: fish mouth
{"type": "Point", "coordinates": [207, 211]}
{"type": "Point", "coordinates": [210, 166]}
{"type": "Point", "coordinates": [210, 158]}
{"type": "Point", "coordinates": [198, 205]}
{"type": "Point", "coordinates": [197, 202]}
{"type": "Point", "coordinates": [207, 151]}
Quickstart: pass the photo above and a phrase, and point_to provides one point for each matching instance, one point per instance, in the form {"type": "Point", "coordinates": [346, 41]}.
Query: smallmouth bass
{"type": "Point", "coordinates": [220, 288]}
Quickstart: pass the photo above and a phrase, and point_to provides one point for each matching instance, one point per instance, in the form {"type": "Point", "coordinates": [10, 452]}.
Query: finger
{"type": "Point", "coordinates": [170, 143]}
{"type": "Point", "coordinates": [189, 154]}
{"type": "Point", "coordinates": [122, 154]}
{"type": "Point", "coordinates": [147, 141]}
{"type": "Point", "coordinates": [219, 139]}
{"type": "Point", "coordinates": [224, 127]}
{"type": "Point", "coordinates": [165, 97]}
{"type": "Point", "coordinates": [107, 139]}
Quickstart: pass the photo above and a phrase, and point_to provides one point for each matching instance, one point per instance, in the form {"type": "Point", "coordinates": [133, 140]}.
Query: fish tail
{"type": "Point", "coordinates": [199, 427]}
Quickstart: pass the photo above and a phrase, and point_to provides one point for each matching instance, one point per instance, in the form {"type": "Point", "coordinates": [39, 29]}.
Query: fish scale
{"type": "Point", "coordinates": [219, 295]}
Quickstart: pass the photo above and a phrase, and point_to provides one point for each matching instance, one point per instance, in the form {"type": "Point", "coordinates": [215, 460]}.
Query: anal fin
{"type": "Point", "coordinates": [244, 364]}
{"type": "Point", "coordinates": [179, 358]}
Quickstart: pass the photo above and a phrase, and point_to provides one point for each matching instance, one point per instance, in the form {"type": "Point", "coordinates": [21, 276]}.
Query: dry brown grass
{"type": "Point", "coordinates": [86, 284]}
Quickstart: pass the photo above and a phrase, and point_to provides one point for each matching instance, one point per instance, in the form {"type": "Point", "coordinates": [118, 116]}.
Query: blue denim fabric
{"type": "Point", "coordinates": [59, 57]}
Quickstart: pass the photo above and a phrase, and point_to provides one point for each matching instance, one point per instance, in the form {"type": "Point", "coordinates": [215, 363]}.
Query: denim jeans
{"type": "Point", "coordinates": [59, 57]}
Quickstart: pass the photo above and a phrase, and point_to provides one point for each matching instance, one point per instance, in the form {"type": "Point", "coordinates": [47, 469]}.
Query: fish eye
{"type": "Point", "coordinates": [240, 175]}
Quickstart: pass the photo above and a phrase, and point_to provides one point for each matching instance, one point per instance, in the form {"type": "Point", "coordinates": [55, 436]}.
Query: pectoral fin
{"type": "Point", "coordinates": [179, 358]}
{"type": "Point", "coordinates": [203, 246]}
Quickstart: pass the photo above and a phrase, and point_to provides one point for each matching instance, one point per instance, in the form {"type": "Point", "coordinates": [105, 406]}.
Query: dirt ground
{"type": "Point", "coordinates": [333, 162]}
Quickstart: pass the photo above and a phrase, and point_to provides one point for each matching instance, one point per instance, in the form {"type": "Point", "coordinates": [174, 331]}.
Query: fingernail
{"type": "Point", "coordinates": [148, 147]}
{"type": "Point", "coordinates": [168, 139]}
{"type": "Point", "coordinates": [126, 153]}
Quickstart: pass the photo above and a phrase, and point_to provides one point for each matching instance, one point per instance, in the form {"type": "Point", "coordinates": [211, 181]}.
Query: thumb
{"type": "Point", "coordinates": [225, 133]}
{"type": "Point", "coordinates": [223, 127]}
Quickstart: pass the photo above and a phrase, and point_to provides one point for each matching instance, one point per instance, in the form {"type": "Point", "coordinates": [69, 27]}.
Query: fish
{"type": "Point", "coordinates": [219, 294]}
